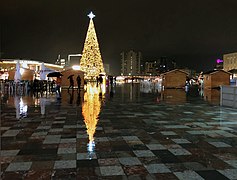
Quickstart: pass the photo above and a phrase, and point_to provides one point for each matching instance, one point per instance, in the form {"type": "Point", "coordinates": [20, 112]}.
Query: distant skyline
{"type": "Point", "coordinates": [195, 33]}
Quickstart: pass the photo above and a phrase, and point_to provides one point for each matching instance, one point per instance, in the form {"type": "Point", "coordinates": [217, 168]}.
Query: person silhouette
{"type": "Point", "coordinates": [71, 82]}
{"type": "Point", "coordinates": [58, 86]}
{"type": "Point", "coordinates": [100, 79]}
{"type": "Point", "coordinates": [111, 93]}
{"type": "Point", "coordinates": [111, 80]}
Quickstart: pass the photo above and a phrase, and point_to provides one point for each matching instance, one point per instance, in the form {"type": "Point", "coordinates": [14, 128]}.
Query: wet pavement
{"type": "Point", "coordinates": [121, 133]}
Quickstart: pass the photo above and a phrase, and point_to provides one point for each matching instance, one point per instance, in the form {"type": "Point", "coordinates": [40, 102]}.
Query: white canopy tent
{"type": "Point", "coordinates": [17, 76]}
{"type": "Point", "coordinates": [44, 71]}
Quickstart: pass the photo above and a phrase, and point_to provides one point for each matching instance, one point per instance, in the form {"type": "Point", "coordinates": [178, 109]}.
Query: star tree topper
{"type": "Point", "coordinates": [91, 15]}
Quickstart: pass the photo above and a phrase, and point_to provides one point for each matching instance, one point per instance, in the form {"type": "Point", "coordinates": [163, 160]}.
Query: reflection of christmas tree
{"type": "Point", "coordinates": [91, 61]}
{"type": "Point", "coordinates": [90, 110]}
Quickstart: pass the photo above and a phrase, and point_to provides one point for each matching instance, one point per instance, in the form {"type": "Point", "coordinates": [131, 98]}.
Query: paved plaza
{"type": "Point", "coordinates": [122, 133]}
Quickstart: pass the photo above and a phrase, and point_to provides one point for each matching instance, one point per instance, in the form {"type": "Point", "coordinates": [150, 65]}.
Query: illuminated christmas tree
{"type": "Point", "coordinates": [91, 62]}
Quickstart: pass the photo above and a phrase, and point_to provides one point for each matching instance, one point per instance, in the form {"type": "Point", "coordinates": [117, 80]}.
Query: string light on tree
{"type": "Point", "coordinates": [91, 62]}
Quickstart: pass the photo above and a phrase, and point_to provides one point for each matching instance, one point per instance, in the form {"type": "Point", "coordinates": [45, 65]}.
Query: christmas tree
{"type": "Point", "coordinates": [91, 62]}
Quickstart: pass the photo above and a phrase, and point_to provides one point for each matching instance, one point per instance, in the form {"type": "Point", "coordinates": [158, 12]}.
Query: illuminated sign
{"type": "Point", "coordinates": [218, 61]}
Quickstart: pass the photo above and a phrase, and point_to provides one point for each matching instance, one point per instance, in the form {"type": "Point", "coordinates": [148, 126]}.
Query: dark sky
{"type": "Point", "coordinates": [195, 32]}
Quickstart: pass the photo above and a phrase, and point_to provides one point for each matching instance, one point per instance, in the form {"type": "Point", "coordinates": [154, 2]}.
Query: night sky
{"type": "Point", "coordinates": [195, 32]}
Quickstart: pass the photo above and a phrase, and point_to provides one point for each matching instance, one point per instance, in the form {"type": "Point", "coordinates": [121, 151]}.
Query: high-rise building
{"type": "Point", "coordinates": [166, 64]}
{"type": "Point", "coordinates": [130, 63]}
{"type": "Point", "coordinates": [60, 61]}
{"type": "Point", "coordinates": [160, 65]}
{"type": "Point", "coordinates": [107, 69]}
{"type": "Point", "coordinates": [151, 67]}
{"type": "Point", "coordinates": [230, 61]}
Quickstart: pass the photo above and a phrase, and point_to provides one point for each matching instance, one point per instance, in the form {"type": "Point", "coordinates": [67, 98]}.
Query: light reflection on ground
{"type": "Point", "coordinates": [123, 92]}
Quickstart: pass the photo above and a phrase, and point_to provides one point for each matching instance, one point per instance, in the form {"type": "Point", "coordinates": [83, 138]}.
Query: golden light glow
{"type": "Point", "coordinates": [91, 109]}
{"type": "Point", "coordinates": [91, 62]}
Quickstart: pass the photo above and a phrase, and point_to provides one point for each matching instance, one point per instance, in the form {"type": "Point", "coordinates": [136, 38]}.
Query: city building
{"type": "Point", "coordinates": [74, 59]}
{"type": "Point", "coordinates": [151, 68]}
{"type": "Point", "coordinates": [61, 61]}
{"type": "Point", "coordinates": [131, 62]}
{"type": "Point", "coordinates": [234, 74]}
{"type": "Point", "coordinates": [166, 64]}
{"type": "Point", "coordinates": [230, 61]}
{"type": "Point", "coordinates": [107, 69]}
{"type": "Point", "coordinates": [158, 66]}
